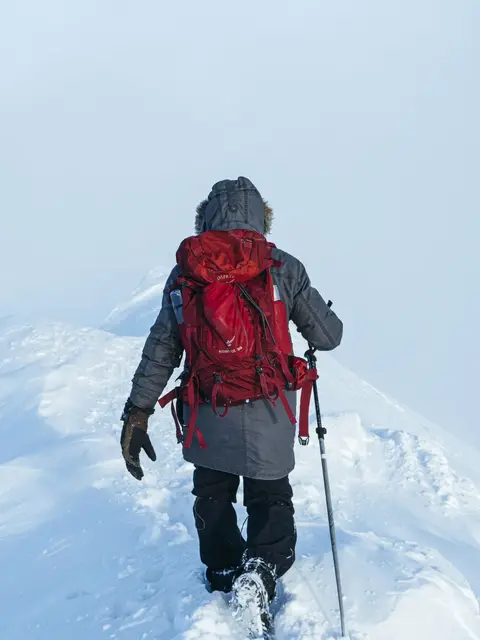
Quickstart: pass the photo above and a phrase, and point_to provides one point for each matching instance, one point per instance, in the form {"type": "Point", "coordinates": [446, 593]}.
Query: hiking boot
{"type": "Point", "coordinates": [220, 579]}
{"type": "Point", "coordinates": [252, 592]}
{"type": "Point", "coordinates": [265, 572]}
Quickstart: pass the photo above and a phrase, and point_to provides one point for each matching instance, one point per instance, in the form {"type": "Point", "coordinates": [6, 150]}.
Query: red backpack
{"type": "Point", "coordinates": [235, 334]}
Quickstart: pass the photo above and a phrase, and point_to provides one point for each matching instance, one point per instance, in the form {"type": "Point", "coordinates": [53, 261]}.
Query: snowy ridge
{"type": "Point", "coordinates": [135, 316]}
{"type": "Point", "coordinates": [87, 552]}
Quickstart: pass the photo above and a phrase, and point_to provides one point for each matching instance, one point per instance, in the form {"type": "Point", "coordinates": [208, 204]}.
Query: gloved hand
{"type": "Point", "coordinates": [134, 438]}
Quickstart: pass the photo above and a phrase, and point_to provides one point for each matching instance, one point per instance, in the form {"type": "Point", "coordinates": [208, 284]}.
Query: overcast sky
{"type": "Point", "coordinates": [358, 121]}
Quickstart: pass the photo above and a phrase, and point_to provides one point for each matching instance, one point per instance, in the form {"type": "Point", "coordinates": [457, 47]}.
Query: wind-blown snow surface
{"type": "Point", "coordinates": [135, 316]}
{"type": "Point", "coordinates": [88, 552]}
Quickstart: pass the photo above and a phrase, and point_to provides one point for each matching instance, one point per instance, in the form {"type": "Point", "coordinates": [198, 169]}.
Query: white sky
{"type": "Point", "coordinates": [358, 121]}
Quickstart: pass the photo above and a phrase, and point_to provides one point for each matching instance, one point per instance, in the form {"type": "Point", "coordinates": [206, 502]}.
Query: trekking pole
{"type": "Point", "coordinates": [321, 431]}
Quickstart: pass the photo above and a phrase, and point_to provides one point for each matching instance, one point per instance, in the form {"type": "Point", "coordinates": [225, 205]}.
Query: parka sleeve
{"type": "Point", "coordinates": [161, 355]}
{"type": "Point", "coordinates": [315, 320]}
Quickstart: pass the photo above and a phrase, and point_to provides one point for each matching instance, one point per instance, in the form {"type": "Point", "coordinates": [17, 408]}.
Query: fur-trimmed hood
{"type": "Point", "coordinates": [234, 204]}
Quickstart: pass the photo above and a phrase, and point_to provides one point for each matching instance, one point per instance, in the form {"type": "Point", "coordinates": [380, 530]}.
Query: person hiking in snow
{"type": "Point", "coordinates": [227, 304]}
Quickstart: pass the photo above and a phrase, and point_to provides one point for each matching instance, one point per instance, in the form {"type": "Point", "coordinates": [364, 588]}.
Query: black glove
{"type": "Point", "coordinates": [134, 438]}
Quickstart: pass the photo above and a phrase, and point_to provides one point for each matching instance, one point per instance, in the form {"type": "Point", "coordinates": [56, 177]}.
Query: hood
{"type": "Point", "coordinates": [234, 204]}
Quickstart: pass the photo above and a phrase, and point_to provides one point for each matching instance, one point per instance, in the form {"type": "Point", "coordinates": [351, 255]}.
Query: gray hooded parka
{"type": "Point", "coordinates": [255, 439]}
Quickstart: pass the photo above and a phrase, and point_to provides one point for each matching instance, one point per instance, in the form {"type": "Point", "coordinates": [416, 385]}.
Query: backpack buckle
{"type": "Point", "coordinates": [259, 368]}
{"type": "Point", "coordinates": [304, 440]}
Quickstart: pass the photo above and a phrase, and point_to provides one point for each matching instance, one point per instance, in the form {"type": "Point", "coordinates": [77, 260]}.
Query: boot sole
{"type": "Point", "coordinates": [245, 607]}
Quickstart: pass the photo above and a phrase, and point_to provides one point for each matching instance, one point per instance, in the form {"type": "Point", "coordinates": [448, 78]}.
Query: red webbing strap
{"type": "Point", "coordinates": [286, 406]}
{"type": "Point", "coordinates": [265, 390]}
{"type": "Point", "coordinates": [216, 388]}
{"type": "Point", "coordinates": [283, 365]}
{"type": "Point", "coordinates": [305, 398]}
{"type": "Point", "coordinates": [201, 439]}
{"type": "Point", "coordinates": [274, 395]}
{"type": "Point", "coordinates": [171, 396]}
{"type": "Point", "coordinates": [193, 403]}
{"type": "Point", "coordinates": [168, 397]}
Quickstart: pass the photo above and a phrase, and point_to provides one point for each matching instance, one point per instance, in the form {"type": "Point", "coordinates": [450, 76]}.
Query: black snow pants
{"type": "Point", "coordinates": [271, 533]}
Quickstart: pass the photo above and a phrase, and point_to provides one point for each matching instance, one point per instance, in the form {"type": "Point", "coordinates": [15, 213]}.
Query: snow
{"type": "Point", "coordinates": [135, 316]}
{"type": "Point", "coordinates": [88, 552]}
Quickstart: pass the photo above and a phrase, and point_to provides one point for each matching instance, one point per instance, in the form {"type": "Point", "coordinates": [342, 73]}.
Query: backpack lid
{"type": "Point", "coordinates": [224, 256]}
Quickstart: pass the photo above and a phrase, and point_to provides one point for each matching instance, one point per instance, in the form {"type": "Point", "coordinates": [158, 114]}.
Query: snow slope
{"type": "Point", "coordinates": [87, 552]}
{"type": "Point", "coordinates": [135, 316]}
